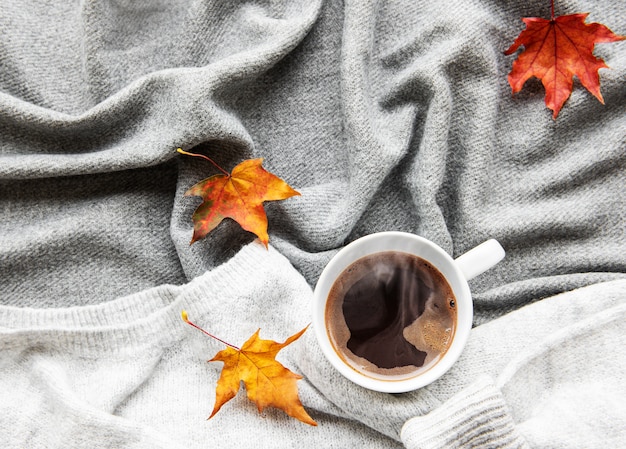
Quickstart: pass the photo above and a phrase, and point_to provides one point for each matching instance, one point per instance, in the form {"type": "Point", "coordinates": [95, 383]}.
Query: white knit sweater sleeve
{"type": "Point", "coordinates": [564, 390]}
{"type": "Point", "coordinates": [477, 416]}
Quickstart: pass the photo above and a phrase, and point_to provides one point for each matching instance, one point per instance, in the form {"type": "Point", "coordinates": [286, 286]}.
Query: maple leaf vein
{"type": "Point", "coordinates": [259, 369]}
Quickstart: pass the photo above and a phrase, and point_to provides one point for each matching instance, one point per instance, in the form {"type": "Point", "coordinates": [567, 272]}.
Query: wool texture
{"type": "Point", "coordinates": [385, 116]}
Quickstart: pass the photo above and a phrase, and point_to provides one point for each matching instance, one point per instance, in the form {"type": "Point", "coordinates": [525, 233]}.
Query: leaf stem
{"type": "Point", "coordinates": [183, 314]}
{"type": "Point", "coordinates": [551, 10]}
{"type": "Point", "coordinates": [181, 151]}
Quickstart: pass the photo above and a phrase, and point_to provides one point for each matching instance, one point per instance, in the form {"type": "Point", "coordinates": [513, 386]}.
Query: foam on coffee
{"type": "Point", "coordinates": [391, 315]}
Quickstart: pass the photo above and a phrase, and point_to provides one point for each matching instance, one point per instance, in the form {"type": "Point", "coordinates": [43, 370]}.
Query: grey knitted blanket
{"type": "Point", "coordinates": [384, 115]}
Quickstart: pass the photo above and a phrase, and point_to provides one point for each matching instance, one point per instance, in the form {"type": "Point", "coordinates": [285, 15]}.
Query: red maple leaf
{"type": "Point", "coordinates": [554, 51]}
{"type": "Point", "coordinates": [238, 195]}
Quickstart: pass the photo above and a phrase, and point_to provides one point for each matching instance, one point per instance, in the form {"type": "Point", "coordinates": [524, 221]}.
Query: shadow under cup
{"type": "Point", "coordinates": [385, 274]}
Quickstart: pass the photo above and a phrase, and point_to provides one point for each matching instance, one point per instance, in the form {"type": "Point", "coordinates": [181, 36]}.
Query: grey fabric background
{"type": "Point", "coordinates": [384, 115]}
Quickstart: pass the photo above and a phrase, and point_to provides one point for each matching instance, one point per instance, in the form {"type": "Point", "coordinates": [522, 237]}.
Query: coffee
{"type": "Point", "coordinates": [391, 315]}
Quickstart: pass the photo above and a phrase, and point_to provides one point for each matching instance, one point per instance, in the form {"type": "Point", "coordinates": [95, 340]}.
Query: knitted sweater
{"type": "Point", "coordinates": [384, 116]}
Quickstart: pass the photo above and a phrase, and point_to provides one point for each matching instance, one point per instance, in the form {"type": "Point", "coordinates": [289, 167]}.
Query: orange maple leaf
{"type": "Point", "coordinates": [268, 383]}
{"type": "Point", "coordinates": [238, 195]}
{"type": "Point", "coordinates": [554, 51]}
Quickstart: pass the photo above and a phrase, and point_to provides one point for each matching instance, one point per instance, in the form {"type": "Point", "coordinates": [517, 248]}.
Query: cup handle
{"type": "Point", "coordinates": [479, 259]}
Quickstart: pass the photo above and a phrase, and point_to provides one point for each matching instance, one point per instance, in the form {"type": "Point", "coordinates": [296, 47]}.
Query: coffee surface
{"type": "Point", "coordinates": [391, 313]}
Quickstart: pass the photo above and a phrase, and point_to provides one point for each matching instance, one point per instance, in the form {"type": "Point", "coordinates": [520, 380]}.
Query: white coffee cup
{"type": "Point", "coordinates": [456, 271]}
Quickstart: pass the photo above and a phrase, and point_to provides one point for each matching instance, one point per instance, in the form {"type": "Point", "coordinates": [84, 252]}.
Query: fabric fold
{"type": "Point", "coordinates": [476, 417]}
{"type": "Point", "coordinates": [385, 116]}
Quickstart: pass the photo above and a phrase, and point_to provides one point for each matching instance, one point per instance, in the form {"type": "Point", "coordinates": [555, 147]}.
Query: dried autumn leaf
{"type": "Point", "coordinates": [240, 196]}
{"type": "Point", "coordinates": [268, 383]}
{"type": "Point", "coordinates": [554, 51]}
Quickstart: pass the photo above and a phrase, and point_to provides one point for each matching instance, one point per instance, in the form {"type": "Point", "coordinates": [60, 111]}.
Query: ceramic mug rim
{"type": "Point", "coordinates": [412, 244]}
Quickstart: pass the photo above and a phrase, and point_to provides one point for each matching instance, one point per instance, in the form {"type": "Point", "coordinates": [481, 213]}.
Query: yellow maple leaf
{"type": "Point", "coordinates": [268, 383]}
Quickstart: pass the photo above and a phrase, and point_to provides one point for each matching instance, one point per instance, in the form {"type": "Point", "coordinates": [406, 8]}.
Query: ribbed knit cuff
{"type": "Point", "coordinates": [476, 417]}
